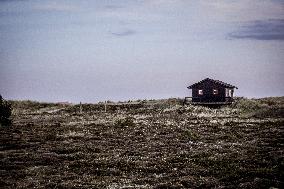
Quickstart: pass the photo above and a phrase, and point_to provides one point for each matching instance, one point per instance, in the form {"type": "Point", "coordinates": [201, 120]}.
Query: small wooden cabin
{"type": "Point", "coordinates": [210, 91]}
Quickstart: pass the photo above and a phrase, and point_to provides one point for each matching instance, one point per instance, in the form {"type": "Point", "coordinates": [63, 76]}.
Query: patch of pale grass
{"type": "Point", "coordinates": [73, 134]}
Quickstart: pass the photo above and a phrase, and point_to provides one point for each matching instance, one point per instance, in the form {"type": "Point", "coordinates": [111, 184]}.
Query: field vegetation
{"type": "Point", "coordinates": [155, 144]}
{"type": "Point", "coordinates": [5, 113]}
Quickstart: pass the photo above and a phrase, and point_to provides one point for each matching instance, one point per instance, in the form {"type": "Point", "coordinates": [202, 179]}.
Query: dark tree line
{"type": "Point", "coordinates": [5, 112]}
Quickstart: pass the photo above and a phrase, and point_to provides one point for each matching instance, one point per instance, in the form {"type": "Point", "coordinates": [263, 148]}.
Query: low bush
{"type": "Point", "coordinates": [5, 112]}
{"type": "Point", "coordinates": [31, 105]}
{"type": "Point", "coordinates": [261, 108]}
{"type": "Point", "coordinates": [125, 122]}
{"type": "Point", "coordinates": [248, 105]}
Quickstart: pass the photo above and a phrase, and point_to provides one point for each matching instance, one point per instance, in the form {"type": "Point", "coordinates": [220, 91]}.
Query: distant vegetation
{"type": "Point", "coordinates": [263, 107]}
{"type": "Point", "coordinates": [5, 112]}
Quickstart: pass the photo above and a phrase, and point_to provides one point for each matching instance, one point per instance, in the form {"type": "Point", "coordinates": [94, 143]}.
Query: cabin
{"type": "Point", "coordinates": [210, 91]}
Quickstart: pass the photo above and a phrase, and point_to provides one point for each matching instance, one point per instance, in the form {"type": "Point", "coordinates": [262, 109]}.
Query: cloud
{"type": "Point", "coordinates": [55, 6]}
{"type": "Point", "coordinates": [123, 33]}
{"type": "Point", "coordinates": [9, 0]}
{"type": "Point", "coordinates": [272, 29]}
{"type": "Point", "coordinates": [243, 11]}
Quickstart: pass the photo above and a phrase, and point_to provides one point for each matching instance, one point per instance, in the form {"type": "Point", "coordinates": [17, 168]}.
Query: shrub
{"type": "Point", "coordinates": [247, 104]}
{"type": "Point", "coordinates": [5, 112]}
{"type": "Point", "coordinates": [264, 107]}
{"type": "Point", "coordinates": [124, 122]}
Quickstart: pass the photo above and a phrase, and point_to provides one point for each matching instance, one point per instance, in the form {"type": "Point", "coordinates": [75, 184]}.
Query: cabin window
{"type": "Point", "coordinates": [200, 92]}
{"type": "Point", "coordinates": [215, 91]}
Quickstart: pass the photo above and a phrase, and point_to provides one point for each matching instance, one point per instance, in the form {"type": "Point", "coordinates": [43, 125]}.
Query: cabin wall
{"type": "Point", "coordinates": [208, 95]}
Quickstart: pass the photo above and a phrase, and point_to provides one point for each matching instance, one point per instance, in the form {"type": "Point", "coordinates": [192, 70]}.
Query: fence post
{"type": "Point", "coordinates": [81, 108]}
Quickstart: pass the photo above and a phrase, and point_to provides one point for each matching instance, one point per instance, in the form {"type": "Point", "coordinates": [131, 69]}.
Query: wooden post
{"type": "Point", "coordinates": [105, 106]}
{"type": "Point", "coordinates": [81, 108]}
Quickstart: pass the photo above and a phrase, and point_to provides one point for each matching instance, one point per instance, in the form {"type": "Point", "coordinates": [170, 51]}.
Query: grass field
{"type": "Point", "coordinates": [144, 144]}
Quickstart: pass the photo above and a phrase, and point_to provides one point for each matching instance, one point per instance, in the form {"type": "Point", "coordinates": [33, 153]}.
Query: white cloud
{"type": "Point", "coordinates": [245, 10]}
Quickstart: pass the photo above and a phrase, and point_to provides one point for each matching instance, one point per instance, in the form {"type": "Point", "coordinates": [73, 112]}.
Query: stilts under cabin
{"type": "Point", "coordinates": [210, 92]}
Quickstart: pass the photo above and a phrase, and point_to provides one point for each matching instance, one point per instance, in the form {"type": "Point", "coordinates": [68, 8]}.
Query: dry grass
{"type": "Point", "coordinates": [146, 144]}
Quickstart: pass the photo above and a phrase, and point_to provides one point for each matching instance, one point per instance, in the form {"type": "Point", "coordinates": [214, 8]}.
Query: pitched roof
{"type": "Point", "coordinates": [213, 80]}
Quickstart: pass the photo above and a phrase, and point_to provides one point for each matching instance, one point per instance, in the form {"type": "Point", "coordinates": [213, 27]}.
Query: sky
{"type": "Point", "coordinates": [95, 50]}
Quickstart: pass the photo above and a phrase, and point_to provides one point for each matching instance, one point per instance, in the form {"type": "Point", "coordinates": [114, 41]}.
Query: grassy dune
{"type": "Point", "coordinates": [144, 144]}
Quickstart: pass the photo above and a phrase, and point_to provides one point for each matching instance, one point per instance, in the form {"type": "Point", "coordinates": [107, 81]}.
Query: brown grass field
{"type": "Point", "coordinates": [156, 144]}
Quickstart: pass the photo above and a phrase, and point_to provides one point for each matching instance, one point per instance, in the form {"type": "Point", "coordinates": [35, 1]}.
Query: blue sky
{"type": "Point", "coordinates": [95, 50]}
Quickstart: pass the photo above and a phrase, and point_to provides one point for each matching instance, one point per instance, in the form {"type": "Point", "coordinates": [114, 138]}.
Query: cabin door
{"type": "Point", "coordinates": [229, 92]}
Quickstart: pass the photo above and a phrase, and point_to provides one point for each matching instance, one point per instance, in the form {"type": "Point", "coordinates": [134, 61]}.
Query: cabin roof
{"type": "Point", "coordinates": [214, 81]}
